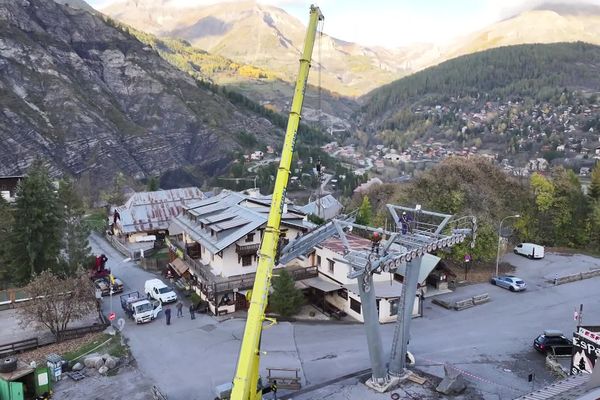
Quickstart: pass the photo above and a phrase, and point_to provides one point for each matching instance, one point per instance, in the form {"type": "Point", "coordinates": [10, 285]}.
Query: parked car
{"type": "Point", "coordinates": [549, 339]}
{"type": "Point", "coordinates": [530, 250]}
{"type": "Point", "coordinates": [509, 282]}
{"type": "Point", "coordinates": [156, 289]}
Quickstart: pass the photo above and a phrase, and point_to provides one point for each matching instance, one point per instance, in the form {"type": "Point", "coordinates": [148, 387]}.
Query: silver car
{"type": "Point", "coordinates": [509, 282]}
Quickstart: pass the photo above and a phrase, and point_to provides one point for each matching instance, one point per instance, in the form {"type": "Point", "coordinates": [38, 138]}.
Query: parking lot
{"type": "Point", "coordinates": [490, 343]}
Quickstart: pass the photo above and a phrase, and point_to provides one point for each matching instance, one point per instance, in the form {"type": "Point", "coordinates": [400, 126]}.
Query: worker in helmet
{"type": "Point", "coordinates": [405, 221]}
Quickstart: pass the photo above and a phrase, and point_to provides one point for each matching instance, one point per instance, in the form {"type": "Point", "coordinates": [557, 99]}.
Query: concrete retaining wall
{"type": "Point", "coordinates": [575, 277]}
{"type": "Point", "coordinates": [463, 304]}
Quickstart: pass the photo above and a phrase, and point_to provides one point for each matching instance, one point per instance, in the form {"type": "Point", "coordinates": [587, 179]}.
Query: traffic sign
{"type": "Point", "coordinates": [112, 316]}
{"type": "Point", "coordinates": [467, 257]}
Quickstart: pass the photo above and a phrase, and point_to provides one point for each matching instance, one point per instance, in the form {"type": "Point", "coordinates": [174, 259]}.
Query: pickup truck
{"type": "Point", "coordinates": [140, 309]}
{"type": "Point", "coordinates": [157, 290]}
{"type": "Point", "coordinates": [103, 284]}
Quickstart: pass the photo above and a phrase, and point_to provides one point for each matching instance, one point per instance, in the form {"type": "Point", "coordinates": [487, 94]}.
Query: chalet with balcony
{"type": "Point", "coordinates": [220, 237]}
{"type": "Point", "coordinates": [333, 290]}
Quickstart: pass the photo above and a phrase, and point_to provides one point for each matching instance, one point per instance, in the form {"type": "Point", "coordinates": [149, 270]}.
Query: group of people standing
{"type": "Point", "coordinates": [179, 307]}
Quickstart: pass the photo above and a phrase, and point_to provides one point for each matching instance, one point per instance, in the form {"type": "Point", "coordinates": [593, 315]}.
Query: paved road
{"type": "Point", "coordinates": [491, 342]}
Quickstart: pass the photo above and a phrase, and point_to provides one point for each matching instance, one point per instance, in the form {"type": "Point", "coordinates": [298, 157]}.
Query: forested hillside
{"type": "Point", "coordinates": [539, 72]}
{"type": "Point", "coordinates": [554, 210]}
{"type": "Point", "coordinates": [527, 100]}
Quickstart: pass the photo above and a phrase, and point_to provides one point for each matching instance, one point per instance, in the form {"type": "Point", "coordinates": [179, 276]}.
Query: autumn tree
{"type": "Point", "coordinates": [6, 216]}
{"type": "Point", "coordinates": [286, 299]}
{"type": "Point", "coordinates": [55, 302]}
{"type": "Point", "coordinates": [36, 237]}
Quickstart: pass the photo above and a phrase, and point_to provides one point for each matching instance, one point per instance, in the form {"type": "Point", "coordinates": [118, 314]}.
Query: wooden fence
{"type": "Point", "coordinates": [20, 346]}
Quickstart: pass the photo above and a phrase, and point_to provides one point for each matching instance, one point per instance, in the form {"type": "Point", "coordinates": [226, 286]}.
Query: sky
{"type": "Point", "coordinates": [393, 23]}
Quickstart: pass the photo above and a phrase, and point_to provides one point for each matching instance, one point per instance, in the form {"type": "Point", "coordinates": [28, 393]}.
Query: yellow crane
{"type": "Point", "coordinates": [245, 382]}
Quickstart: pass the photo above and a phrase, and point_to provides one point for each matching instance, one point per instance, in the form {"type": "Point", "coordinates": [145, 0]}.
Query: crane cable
{"type": "Point", "coordinates": [320, 31]}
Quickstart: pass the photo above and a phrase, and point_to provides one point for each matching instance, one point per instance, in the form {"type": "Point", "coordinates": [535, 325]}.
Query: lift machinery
{"type": "Point", "coordinates": [246, 380]}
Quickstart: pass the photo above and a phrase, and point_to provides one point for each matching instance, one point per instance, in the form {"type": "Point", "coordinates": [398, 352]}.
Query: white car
{"type": "Point", "coordinates": [530, 250]}
{"type": "Point", "coordinates": [156, 289]}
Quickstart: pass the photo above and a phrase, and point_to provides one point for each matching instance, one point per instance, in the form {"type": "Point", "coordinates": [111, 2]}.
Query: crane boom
{"type": "Point", "coordinates": [246, 376]}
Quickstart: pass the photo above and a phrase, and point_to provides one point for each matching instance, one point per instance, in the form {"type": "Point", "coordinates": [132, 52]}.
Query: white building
{"type": "Point", "coordinates": [333, 289]}
{"type": "Point", "coordinates": [219, 239]}
{"type": "Point", "coordinates": [327, 207]}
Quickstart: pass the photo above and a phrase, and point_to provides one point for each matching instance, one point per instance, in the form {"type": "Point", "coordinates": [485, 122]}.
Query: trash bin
{"type": "Point", "coordinates": [55, 363]}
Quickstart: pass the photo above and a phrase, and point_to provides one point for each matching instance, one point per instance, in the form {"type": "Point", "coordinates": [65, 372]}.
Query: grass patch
{"type": "Point", "coordinates": [112, 347]}
{"type": "Point", "coordinates": [96, 220]}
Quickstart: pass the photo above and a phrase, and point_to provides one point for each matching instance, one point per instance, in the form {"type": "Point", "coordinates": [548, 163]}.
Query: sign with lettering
{"type": "Point", "coordinates": [586, 350]}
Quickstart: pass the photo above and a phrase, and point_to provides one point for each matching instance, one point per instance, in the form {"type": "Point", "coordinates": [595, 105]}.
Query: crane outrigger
{"type": "Point", "coordinates": [246, 380]}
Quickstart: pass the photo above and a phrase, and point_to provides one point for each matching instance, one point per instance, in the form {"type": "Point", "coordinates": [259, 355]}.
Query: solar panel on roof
{"type": "Point", "coordinates": [208, 210]}
{"type": "Point", "coordinates": [230, 224]}
{"type": "Point", "coordinates": [217, 218]}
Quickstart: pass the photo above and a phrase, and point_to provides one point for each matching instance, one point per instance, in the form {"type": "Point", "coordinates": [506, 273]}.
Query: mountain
{"type": "Point", "coordinates": [268, 37]}
{"type": "Point", "coordinates": [78, 4]}
{"type": "Point", "coordinates": [261, 85]}
{"type": "Point", "coordinates": [91, 100]}
{"type": "Point", "coordinates": [546, 23]}
{"type": "Point", "coordinates": [526, 99]}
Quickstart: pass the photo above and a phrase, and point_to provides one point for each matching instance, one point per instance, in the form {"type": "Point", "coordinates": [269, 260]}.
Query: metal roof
{"type": "Point", "coordinates": [149, 211]}
{"type": "Point", "coordinates": [330, 207]}
{"type": "Point", "coordinates": [220, 221]}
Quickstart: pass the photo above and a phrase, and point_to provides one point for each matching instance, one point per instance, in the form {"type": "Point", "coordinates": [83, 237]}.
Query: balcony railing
{"type": "Point", "coordinates": [247, 250]}
{"type": "Point", "coordinates": [215, 285]}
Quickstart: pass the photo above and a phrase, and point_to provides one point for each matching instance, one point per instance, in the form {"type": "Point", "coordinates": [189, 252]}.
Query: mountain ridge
{"type": "Point", "coordinates": [89, 99]}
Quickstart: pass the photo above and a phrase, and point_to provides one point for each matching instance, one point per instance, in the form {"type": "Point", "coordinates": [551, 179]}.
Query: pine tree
{"type": "Point", "coordinates": [594, 189]}
{"type": "Point", "coordinates": [6, 216]}
{"type": "Point", "coordinates": [364, 212]}
{"type": "Point", "coordinates": [75, 231]}
{"type": "Point", "coordinates": [286, 300]}
{"type": "Point", "coordinates": [36, 241]}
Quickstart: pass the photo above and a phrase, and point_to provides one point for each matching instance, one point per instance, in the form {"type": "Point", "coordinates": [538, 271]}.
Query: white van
{"type": "Point", "coordinates": [530, 250]}
{"type": "Point", "coordinates": [156, 289]}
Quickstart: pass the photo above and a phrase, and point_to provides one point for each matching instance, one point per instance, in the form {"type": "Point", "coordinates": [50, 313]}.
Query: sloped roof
{"type": "Point", "coordinates": [149, 211]}
{"type": "Point", "coordinates": [327, 202]}
{"type": "Point", "coordinates": [220, 221]}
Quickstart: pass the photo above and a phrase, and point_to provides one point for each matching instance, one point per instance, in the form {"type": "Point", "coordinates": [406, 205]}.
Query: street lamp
{"type": "Point", "coordinates": [500, 238]}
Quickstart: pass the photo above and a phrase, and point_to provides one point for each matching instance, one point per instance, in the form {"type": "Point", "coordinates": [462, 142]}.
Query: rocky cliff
{"type": "Point", "coordinates": [88, 98]}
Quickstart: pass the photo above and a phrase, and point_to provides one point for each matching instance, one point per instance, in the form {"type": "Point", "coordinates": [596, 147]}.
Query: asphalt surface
{"type": "Point", "coordinates": [490, 343]}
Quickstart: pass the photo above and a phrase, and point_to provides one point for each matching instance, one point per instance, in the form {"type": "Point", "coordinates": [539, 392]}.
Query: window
{"type": "Point", "coordinates": [246, 260]}
{"type": "Point", "coordinates": [318, 261]}
{"type": "Point", "coordinates": [250, 237]}
{"type": "Point", "coordinates": [343, 293]}
{"type": "Point", "coordinates": [394, 307]}
{"type": "Point", "coordinates": [331, 264]}
{"type": "Point", "coordinates": [355, 305]}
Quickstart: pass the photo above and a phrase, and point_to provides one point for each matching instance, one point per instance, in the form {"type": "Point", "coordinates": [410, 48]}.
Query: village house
{"type": "Point", "coordinates": [333, 290]}
{"type": "Point", "coordinates": [327, 207]}
{"type": "Point", "coordinates": [8, 187]}
{"type": "Point", "coordinates": [257, 155]}
{"type": "Point", "coordinates": [219, 238]}
{"type": "Point", "coordinates": [147, 215]}
{"type": "Point", "coordinates": [393, 157]}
